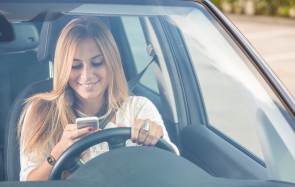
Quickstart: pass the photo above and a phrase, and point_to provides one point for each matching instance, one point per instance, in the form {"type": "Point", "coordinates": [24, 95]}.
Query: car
{"type": "Point", "coordinates": [231, 118]}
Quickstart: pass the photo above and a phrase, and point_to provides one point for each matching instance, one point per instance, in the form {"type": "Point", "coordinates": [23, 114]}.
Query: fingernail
{"type": "Point", "coordinates": [90, 128]}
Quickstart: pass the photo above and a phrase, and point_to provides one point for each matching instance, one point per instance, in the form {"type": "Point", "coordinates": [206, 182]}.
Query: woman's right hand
{"type": "Point", "coordinates": [70, 135]}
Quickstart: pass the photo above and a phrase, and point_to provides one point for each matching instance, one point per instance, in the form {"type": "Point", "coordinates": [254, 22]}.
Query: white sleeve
{"type": "Point", "coordinates": [145, 109]}
{"type": "Point", "coordinates": [27, 162]}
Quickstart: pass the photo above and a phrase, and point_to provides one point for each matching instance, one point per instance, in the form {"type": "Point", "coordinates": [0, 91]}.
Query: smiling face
{"type": "Point", "coordinates": [88, 77]}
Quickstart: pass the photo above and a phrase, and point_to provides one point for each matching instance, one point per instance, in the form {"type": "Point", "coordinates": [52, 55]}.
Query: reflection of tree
{"type": "Point", "coordinates": [259, 7]}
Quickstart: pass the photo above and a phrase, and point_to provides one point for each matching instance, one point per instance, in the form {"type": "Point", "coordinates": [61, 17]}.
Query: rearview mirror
{"type": "Point", "coordinates": [6, 30]}
{"type": "Point", "coordinates": [25, 38]}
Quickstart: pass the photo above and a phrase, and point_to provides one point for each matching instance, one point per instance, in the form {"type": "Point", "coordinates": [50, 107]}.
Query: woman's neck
{"type": "Point", "coordinates": [90, 107]}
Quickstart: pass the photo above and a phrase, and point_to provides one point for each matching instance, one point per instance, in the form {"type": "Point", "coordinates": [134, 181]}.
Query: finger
{"type": "Point", "coordinates": [151, 135]}
{"type": "Point", "coordinates": [81, 132]}
{"type": "Point", "coordinates": [70, 127]}
{"type": "Point", "coordinates": [144, 131]}
{"type": "Point", "coordinates": [148, 140]}
{"type": "Point", "coordinates": [135, 130]}
{"type": "Point", "coordinates": [143, 134]}
{"type": "Point", "coordinates": [159, 134]}
{"type": "Point", "coordinates": [154, 134]}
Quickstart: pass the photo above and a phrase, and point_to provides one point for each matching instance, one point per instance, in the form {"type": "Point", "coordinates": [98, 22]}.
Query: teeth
{"type": "Point", "coordinates": [87, 85]}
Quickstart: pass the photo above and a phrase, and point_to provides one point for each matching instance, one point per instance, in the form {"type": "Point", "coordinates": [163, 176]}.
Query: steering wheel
{"type": "Point", "coordinates": [115, 137]}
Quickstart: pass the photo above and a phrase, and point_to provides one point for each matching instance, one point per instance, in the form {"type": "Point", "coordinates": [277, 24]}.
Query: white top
{"type": "Point", "coordinates": [136, 107]}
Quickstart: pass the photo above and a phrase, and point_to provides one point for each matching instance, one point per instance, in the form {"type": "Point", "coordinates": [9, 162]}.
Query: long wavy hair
{"type": "Point", "coordinates": [45, 115]}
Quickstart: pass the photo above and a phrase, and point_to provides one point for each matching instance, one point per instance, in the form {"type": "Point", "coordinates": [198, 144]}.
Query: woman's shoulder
{"type": "Point", "coordinates": [138, 103]}
{"type": "Point", "coordinates": [137, 100]}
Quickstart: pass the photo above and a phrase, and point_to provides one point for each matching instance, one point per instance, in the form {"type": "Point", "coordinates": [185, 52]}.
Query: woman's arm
{"type": "Point", "coordinates": [42, 171]}
{"type": "Point", "coordinates": [32, 170]}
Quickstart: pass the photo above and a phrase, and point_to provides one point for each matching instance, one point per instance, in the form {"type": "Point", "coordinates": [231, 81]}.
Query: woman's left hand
{"type": "Point", "coordinates": [146, 132]}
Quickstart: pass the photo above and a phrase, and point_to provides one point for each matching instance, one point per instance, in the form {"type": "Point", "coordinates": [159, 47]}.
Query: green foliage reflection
{"type": "Point", "coordinates": [259, 7]}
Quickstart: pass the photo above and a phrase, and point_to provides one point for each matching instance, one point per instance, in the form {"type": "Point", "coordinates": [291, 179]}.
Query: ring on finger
{"type": "Point", "coordinates": [146, 127]}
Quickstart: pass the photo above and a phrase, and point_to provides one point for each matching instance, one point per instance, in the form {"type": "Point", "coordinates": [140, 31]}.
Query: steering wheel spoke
{"type": "Point", "coordinates": [76, 165]}
{"type": "Point", "coordinates": [117, 142]}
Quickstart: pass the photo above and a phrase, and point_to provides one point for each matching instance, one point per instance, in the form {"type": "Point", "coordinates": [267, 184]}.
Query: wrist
{"type": "Point", "coordinates": [56, 151]}
{"type": "Point", "coordinates": [51, 160]}
{"type": "Point", "coordinates": [54, 155]}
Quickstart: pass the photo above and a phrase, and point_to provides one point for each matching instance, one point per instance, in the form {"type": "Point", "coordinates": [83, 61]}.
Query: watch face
{"type": "Point", "coordinates": [51, 160]}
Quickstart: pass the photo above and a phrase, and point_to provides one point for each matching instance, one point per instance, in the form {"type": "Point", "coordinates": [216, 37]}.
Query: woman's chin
{"type": "Point", "coordinates": [90, 96]}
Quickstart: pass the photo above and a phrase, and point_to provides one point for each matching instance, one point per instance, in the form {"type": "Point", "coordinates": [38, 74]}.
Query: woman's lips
{"type": "Point", "coordinates": [88, 85]}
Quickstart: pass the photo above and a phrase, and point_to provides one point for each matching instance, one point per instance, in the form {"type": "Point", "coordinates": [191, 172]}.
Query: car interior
{"type": "Point", "coordinates": [28, 70]}
{"type": "Point", "coordinates": [33, 66]}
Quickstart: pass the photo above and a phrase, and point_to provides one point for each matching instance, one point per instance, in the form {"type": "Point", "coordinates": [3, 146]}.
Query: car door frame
{"type": "Point", "coordinates": [216, 154]}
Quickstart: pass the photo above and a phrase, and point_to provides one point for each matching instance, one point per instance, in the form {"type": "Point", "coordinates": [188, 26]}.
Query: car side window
{"type": "Point", "coordinates": [138, 45]}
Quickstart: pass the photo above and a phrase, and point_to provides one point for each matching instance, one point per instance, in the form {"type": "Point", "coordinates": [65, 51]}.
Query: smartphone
{"type": "Point", "coordinates": [87, 122]}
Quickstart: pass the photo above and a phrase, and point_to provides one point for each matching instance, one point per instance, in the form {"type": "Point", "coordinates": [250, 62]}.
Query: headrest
{"type": "Point", "coordinates": [26, 37]}
{"type": "Point", "coordinates": [52, 26]}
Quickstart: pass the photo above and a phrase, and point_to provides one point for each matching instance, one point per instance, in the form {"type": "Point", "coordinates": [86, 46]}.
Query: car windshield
{"type": "Point", "coordinates": [222, 106]}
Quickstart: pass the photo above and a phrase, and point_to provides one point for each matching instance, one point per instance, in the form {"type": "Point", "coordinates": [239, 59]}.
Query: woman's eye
{"type": "Point", "coordinates": [97, 64]}
{"type": "Point", "coordinates": [77, 67]}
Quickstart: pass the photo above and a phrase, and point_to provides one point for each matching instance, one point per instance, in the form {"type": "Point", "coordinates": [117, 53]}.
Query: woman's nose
{"type": "Point", "coordinates": [86, 71]}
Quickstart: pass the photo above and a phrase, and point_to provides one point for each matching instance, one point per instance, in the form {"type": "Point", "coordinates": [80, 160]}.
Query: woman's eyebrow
{"type": "Point", "coordinates": [96, 56]}
{"type": "Point", "coordinates": [99, 55]}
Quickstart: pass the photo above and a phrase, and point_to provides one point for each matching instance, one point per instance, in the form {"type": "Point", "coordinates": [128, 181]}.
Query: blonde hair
{"type": "Point", "coordinates": [46, 114]}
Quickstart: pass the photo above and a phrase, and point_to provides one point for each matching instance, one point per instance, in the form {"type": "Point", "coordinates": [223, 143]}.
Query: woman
{"type": "Point", "coordinates": [88, 77]}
